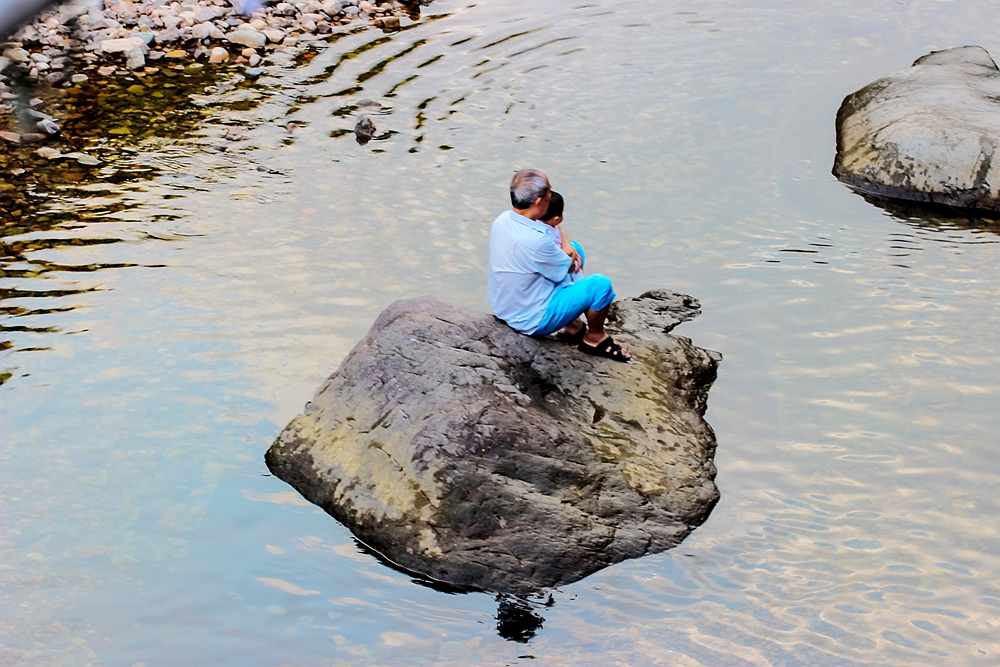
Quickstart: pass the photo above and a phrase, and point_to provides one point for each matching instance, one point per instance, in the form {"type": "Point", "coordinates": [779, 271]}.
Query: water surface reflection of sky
{"type": "Point", "coordinates": [855, 407]}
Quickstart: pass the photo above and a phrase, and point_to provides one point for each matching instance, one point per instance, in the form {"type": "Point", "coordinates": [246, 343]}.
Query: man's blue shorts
{"type": "Point", "coordinates": [570, 300]}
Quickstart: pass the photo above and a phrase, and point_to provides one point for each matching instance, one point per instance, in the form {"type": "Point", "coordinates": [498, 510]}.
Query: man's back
{"type": "Point", "coordinates": [525, 266]}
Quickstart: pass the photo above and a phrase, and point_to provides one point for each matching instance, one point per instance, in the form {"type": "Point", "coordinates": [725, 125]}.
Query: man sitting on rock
{"type": "Point", "coordinates": [529, 285]}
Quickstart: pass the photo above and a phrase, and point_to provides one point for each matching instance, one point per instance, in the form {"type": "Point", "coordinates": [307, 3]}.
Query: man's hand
{"type": "Point", "coordinates": [575, 256]}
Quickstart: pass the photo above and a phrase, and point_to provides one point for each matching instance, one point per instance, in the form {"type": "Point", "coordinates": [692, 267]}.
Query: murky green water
{"type": "Point", "coordinates": [181, 303]}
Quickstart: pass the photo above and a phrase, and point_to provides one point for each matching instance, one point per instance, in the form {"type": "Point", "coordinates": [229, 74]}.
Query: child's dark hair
{"type": "Point", "coordinates": [555, 207]}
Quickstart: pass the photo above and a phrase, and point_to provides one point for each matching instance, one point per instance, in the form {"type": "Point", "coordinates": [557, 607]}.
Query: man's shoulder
{"type": "Point", "coordinates": [511, 227]}
{"type": "Point", "coordinates": [505, 218]}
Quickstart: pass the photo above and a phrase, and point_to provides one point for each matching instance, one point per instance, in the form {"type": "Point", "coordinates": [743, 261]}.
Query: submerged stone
{"type": "Point", "coordinates": [466, 452]}
{"type": "Point", "coordinates": [928, 133]}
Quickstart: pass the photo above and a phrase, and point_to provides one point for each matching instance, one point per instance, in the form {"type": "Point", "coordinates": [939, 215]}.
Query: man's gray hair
{"type": "Point", "coordinates": [527, 186]}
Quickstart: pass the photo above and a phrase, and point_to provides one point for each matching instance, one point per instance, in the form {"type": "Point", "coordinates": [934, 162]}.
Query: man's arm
{"type": "Point", "coordinates": [568, 248]}
{"type": "Point", "coordinates": [552, 262]}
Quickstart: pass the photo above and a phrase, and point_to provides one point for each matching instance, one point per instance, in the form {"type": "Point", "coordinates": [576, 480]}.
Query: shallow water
{"type": "Point", "coordinates": [162, 329]}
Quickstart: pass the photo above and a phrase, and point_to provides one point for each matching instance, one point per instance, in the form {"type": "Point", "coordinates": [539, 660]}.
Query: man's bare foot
{"type": "Point", "coordinates": [573, 332]}
{"type": "Point", "coordinates": [573, 328]}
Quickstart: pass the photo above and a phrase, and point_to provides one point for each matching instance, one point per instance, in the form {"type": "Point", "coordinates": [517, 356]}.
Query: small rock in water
{"type": "Point", "coordinates": [218, 55]}
{"type": "Point", "coordinates": [235, 134]}
{"type": "Point", "coordinates": [366, 7]}
{"type": "Point", "coordinates": [83, 159]}
{"type": "Point", "coordinates": [254, 60]}
{"type": "Point", "coordinates": [122, 45]}
{"type": "Point", "coordinates": [36, 114]}
{"type": "Point", "coordinates": [35, 101]}
{"type": "Point", "coordinates": [248, 52]}
{"type": "Point", "coordinates": [364, 130]}
{"type": "Point", "coordinates": [12, 137]}
{"type": "Point", "coordinates": [177, 53]}
{"type": "Point", "coordinates": [48, 126]}
{"type": "Point", "coordinates": [79, 78]}
{"type": "Point", "coordinates": [134, 59]}
{"type": "Point", "coordinates": [290, 127]}
{"type": "Point", "coordinates": [107, 70]}
{"type": "Point", "coordinates": [387, 23]}
{"type": "Point", "coordinates": [32, 137]}
{"type": "Point", "coordinates": [253, 72]}
{"type": "Point", "coordinates": [48, 153]}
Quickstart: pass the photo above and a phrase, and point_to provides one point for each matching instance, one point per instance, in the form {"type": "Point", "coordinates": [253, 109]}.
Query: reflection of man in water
{"type": "Point", "coordinates": [529, 284]}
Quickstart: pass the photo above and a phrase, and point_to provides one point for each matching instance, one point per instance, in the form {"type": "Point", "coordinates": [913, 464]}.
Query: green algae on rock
{"type": "Point", "coordinates": [464, 451]}
{"type": "Point", "coordinates": [926, 134]}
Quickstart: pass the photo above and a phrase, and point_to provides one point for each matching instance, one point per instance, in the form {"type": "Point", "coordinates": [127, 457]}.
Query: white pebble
{"type": "Point", "coordinates": [201, 30]}
{"type": "Point", "coordinates": [218, 55]}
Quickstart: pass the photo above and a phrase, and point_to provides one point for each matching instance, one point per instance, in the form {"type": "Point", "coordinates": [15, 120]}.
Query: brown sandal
{"type": "Point", "coordinates": [607, 348]}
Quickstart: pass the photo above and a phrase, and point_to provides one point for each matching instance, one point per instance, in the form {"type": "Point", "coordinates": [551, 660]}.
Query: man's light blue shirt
{"type": "Point", "coordinates": [525, 268]}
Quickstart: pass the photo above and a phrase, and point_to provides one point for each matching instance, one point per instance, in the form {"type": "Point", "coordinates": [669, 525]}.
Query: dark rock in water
{"type": "Point", "coordinates": [926, 134]}
{"type": "Point", "coordinates": [464, 451]}
{"type": "Point", "coordinates": [364, 130]}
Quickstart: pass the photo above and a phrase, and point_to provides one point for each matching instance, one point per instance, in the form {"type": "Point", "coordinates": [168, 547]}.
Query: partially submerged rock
{"type": "Point", "coordinates": [364, 130]}
{"type": "Point", "coordinates": [476, 456]}
{"type": "Point", "coordinates": [928, 133]}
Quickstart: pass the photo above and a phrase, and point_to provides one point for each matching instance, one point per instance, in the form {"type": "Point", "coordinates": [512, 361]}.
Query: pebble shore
{"type": "Point", "coordinates": [75, 42]}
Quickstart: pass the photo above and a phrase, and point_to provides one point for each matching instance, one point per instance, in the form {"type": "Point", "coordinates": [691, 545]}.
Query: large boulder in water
{"type": "Point", "coordinates": [473, 455]}
{"type": "Point", "coordinates": [928, 133]}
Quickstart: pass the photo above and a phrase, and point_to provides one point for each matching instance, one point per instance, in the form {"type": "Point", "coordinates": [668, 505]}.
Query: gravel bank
{"type": "Point", "coordinates": [70, 44]}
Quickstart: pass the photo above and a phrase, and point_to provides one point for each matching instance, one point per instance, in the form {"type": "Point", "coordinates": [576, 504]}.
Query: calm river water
{"type": "Point", "coordinates": [856, 407]}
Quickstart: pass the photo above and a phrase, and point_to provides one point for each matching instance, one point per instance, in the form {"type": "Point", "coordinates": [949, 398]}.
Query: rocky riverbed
{"type": "Point", "coordinates": [67, 47]}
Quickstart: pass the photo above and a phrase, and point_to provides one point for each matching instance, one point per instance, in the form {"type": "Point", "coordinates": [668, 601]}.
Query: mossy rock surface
{"type": "Point", "coordinates": [478, 457]}
{"type": "Point", "coordinates": [929, 133]}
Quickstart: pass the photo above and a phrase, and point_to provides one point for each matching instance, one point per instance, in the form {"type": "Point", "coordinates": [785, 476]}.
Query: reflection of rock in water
{"type": "Point", "coordinates": [928, 133]}
{"type": "Point", "coordinates": [922, 214]}
{"type": "Point", "coordinates": [517, 620]}
{"type": "Point", "coordinates": [476, 456]}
